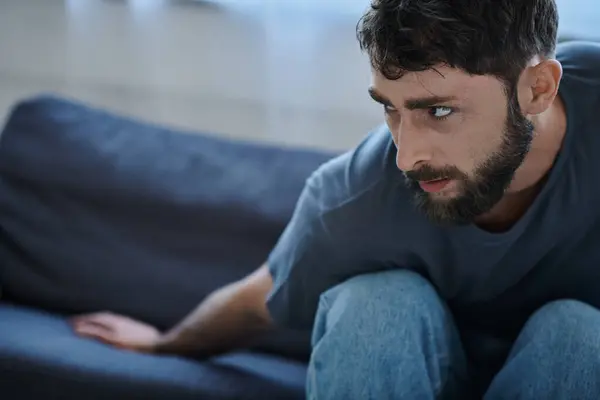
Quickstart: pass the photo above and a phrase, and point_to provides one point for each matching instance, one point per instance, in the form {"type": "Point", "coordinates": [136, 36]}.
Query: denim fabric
{"type": "Point", "coordinates": [389, 336]}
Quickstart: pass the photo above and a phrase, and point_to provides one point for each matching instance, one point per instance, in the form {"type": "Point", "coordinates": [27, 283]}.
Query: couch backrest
{"type": "Point", "coordinates": [101, 212]}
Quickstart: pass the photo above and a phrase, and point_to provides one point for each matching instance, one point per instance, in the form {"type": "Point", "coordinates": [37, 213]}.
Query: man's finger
{"type": "Point", "coordinates": [88, 317]}
{"type": "Point", "coordinates": [94, 330]}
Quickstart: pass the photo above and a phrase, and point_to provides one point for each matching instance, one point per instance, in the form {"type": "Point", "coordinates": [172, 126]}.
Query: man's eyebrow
{"type": "Point", "coordinates": [427, 102]}
{"type": "Point", "coordinates": [412, 104]}
{"type": "Point", "coordinates": [375, 95]}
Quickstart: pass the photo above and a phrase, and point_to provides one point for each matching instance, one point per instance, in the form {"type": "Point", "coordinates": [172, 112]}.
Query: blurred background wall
{"type": "Point", "coordinates": [283, 71]}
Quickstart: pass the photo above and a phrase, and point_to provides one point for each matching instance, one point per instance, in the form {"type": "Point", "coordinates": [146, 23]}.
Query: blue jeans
{"type": "Point", "coordinates": [389, 336]}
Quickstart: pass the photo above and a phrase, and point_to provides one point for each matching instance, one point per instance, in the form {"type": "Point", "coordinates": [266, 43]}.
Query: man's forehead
{"type": "Point", "coordinates": [442, 81]}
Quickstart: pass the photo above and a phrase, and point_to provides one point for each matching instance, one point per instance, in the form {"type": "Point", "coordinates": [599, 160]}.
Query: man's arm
{"type": "Point", "coordinates": [229, 318]}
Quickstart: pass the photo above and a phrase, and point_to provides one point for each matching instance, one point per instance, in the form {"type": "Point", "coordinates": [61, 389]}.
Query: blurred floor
{"type": "Point", "coordinates": [287, 74]}
{"type": "Point", "coordinates": [284, 71]}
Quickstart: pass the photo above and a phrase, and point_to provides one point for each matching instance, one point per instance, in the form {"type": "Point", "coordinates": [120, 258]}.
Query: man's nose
{"type": "Point", "coordinates": [412, 146]}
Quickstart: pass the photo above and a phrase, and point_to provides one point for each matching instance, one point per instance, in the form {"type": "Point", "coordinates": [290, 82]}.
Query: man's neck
{"type": "Point", "coordinates": [550, 130]}
{"type": "Point", "coordinates": [509, 210]}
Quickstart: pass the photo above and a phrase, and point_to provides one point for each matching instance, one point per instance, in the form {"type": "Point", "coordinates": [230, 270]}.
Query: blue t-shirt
{"type": "Point", "coordinates": [356, 216]}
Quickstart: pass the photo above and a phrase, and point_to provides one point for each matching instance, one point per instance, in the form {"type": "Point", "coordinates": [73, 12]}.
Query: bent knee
{"type": "Point", "coordinates": [564, 323]}
{"type": "Point", "coordinates": [564, 312]}
{"type": "Point", "coordinates": [368, 300]}
{"type": "Point", "coordinates": [382, 288]}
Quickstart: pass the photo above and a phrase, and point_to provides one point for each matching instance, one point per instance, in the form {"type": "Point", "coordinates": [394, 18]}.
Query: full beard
{"type": "Point", "coordinates": [491, 178]}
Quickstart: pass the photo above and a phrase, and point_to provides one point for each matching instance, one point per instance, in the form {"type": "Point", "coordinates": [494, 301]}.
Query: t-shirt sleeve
{"type": "Point", "coordinates": [322, 245]}
{"type": "Point", "coordinates": [308, 259]}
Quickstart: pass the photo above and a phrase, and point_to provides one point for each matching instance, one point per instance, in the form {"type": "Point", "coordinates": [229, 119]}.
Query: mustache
{"type": "Point", "coordinates": [427, 173]}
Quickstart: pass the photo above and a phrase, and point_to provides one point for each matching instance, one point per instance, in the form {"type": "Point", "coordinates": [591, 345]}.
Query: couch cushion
{"type": "Point", "coordinates": [101, 212]}
{"type": "Point", "coordinates": [41, 358]}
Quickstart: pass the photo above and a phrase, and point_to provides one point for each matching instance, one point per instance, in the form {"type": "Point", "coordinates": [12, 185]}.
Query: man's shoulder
{"type": "Point", "coordinates": [580, 90]}
{"type": "Point", "coordinates": [580, 60]}
{"type": "Point", "coordinates": [357, 172]}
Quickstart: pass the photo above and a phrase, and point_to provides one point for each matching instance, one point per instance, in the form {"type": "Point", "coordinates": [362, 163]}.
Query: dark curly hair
{"type": "Point", "coordinates": [481, 37]}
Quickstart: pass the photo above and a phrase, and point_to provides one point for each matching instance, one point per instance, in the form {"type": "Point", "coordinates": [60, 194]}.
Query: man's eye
{"type": "Point", "coordinates": [388, 109]}
{"type": "Point", "coordinates": [440, 112]}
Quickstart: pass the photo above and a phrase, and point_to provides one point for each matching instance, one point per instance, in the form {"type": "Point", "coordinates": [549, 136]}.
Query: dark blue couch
{"type": "Point", "coordinates": [99, 212]}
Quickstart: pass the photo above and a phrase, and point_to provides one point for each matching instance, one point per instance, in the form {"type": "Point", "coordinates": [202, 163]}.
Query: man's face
{"type": "Point", "coordinates": [459, 140]}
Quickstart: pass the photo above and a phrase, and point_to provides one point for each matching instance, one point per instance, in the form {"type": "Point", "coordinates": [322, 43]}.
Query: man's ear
{"type": "Point", "coordinates": [541, 84]}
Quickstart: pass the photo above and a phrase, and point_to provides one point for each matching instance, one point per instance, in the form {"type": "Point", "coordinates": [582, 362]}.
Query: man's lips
{"type": "Point", "coordinates": [434, 186]}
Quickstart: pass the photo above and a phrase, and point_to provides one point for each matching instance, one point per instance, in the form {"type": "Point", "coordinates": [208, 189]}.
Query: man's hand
{"type": "Point", "coordinates": [117, 330]}
{"type": "Point", "coordinates": [229, 318]}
